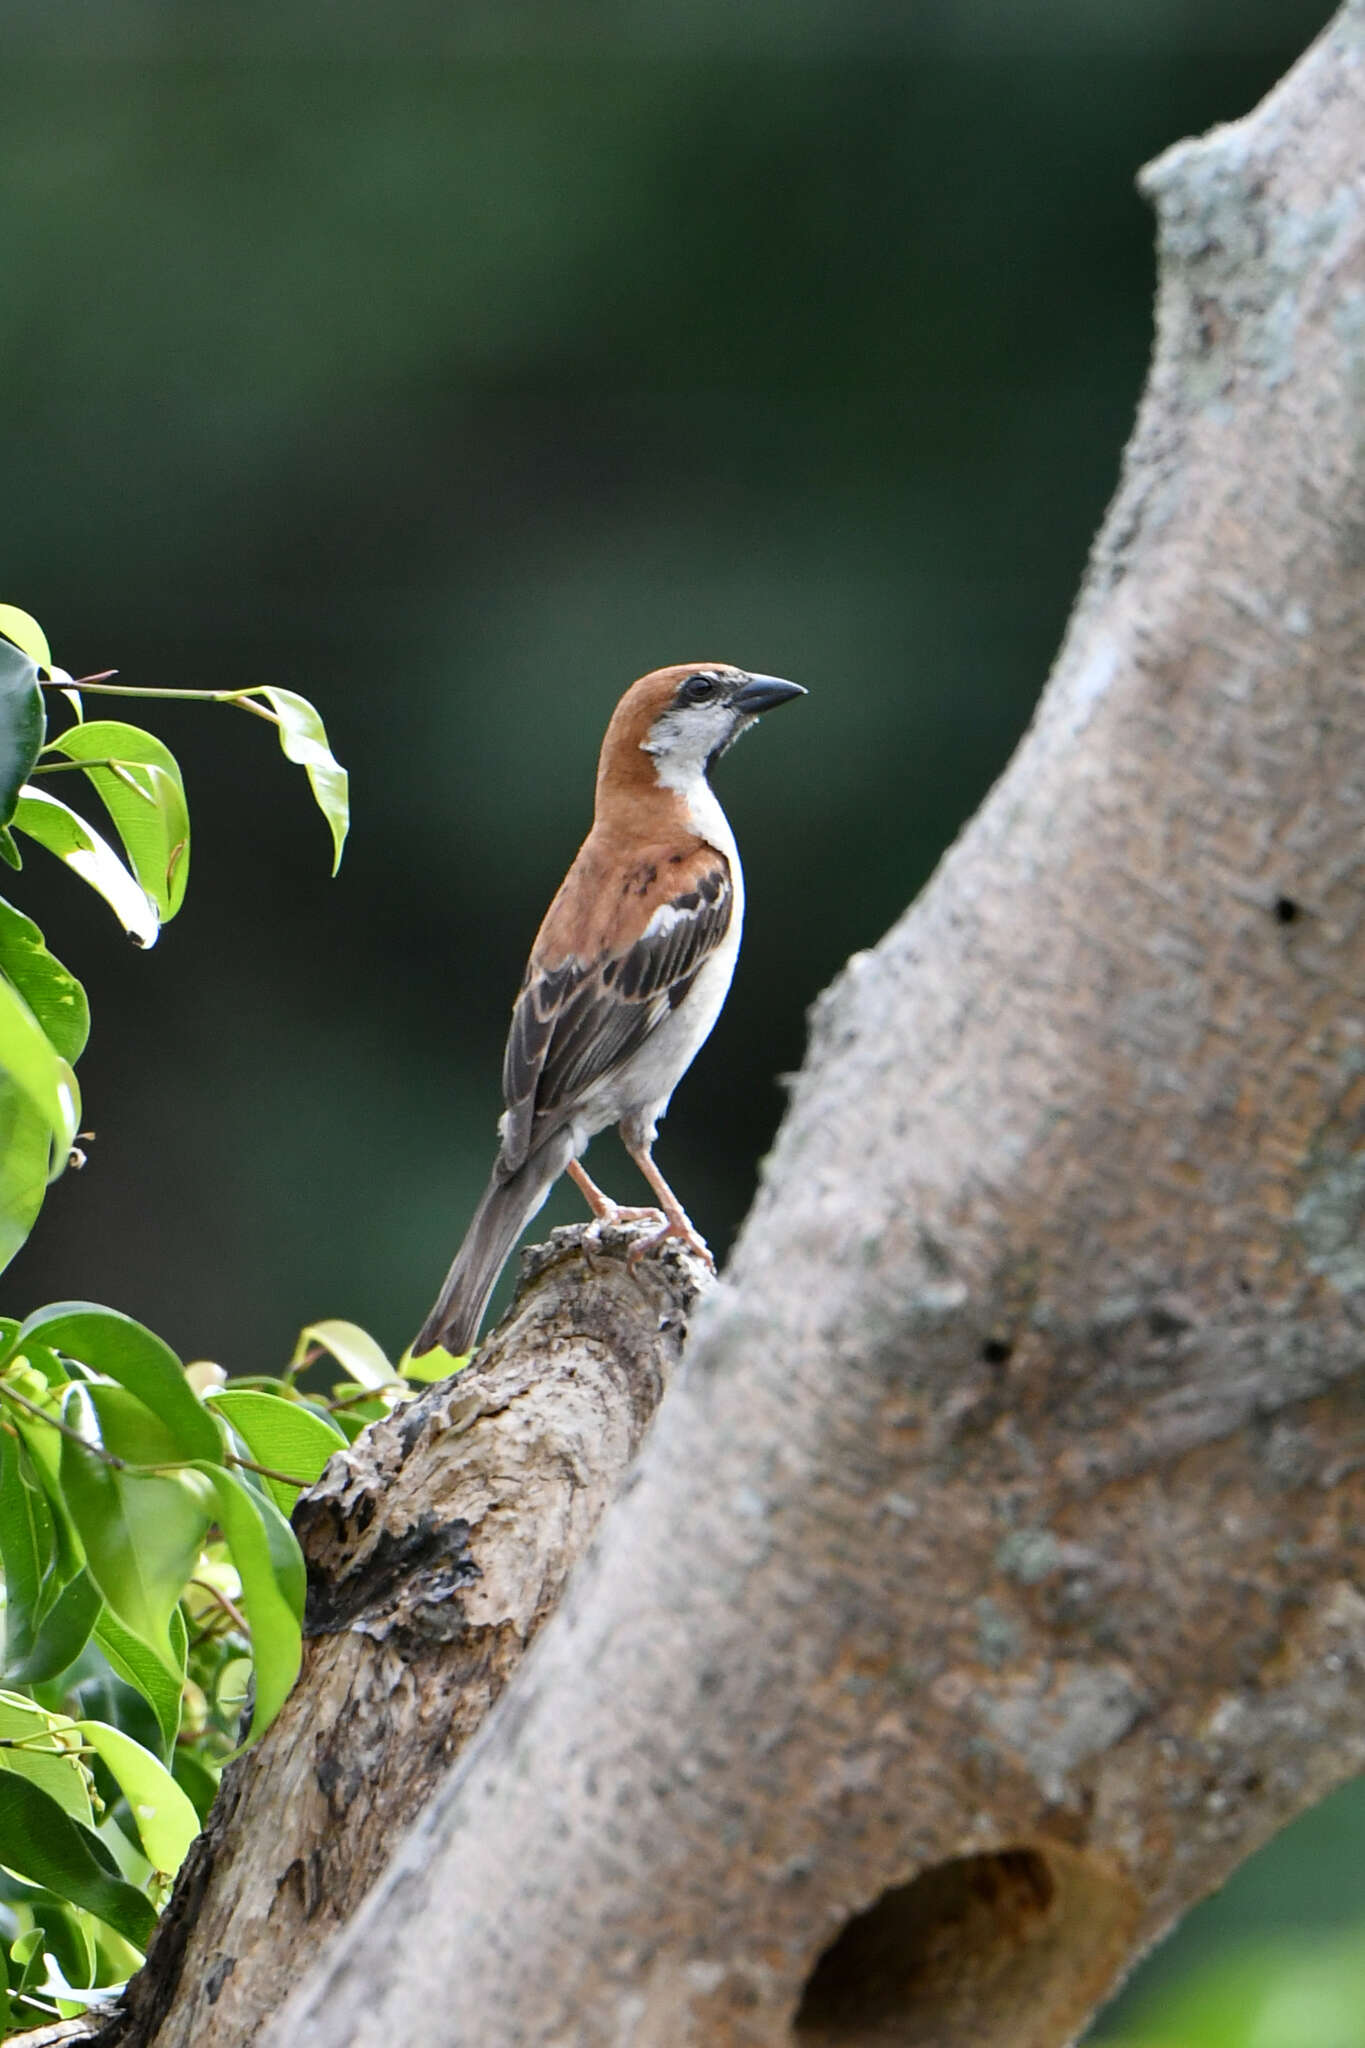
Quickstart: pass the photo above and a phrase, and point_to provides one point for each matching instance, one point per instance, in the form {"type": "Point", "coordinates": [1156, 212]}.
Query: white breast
{"type": "Point", "coordinates": [649, 1078]}
{"type": "Point", "coordinates": [643, 1085]}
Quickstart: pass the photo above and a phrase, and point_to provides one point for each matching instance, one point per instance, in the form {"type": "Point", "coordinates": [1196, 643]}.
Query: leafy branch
{"type": "Point", "coordinates": [44, 1017]}
{"type": "Point", "coordinates": [148, 1564]}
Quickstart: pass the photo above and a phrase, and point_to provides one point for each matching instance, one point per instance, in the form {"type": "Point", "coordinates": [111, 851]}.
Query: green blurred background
{"type": "Point", "coordinates": [454, 364]}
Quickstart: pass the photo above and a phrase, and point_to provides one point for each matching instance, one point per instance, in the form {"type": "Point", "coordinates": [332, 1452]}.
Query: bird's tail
{"type": "Point", "coordinates": [503, 1213]}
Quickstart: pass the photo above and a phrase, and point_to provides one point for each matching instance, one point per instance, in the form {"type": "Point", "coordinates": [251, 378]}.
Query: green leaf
{"type": "Point", "coordinates": [124, 1350]}
{"type": "Point", "coordinates": [31, 1061]}
{"type": "Point", "coordinates": [68, 1936]}
{"type": "Point", "coordinates": [270, 1566]}
{"type": "Point", "coordinates": [130, 1430]}
{"type": "Point", "coordinates": [62, 1634]}
{"type": "Point", "coordinates": [352, 1422]}
{"type": "Point", "coordinates": [166, 1821]}
{"type": "Point", "coordinates": [126, 1852]}
{"type": "Point", "coordinates": [141, 1535]}
{"type": "Point", "coordinates": [53, 994]}
{"type": "Point", "coordinates": [8, 2022]}
{"type": "Point", "coordinates": [42, 1760]}
{"type": "Point", "coordinates": [145, 798]}
{"type": "Point", "coordinates": [354, 1349]}
{"type": "Point", "coordinates": [32, 1151]}
{"type": "Point", "coordinates": [22, 724]}
{"type": "Point", "coordinates": [304, 739]}
{"type": "Point", "coordinates": [196, 1779]}
{"type": "Point", "coordinates": [432, 1365]}
{"type": "Point", "coordinates": [42, 1843]}
{"type": "Point", "coordinates": [23, 629]}
{"type": "Point", "coordinates": [50, 1373]}
{"type": "Point", "coordinates": [26, 1946]}
{"type": "Point", "coordinates": [25, 1161]}
{"type": "Point", "coordinates": [281, 1433]}
{"type": "Point", "coordinates": [232, 1688]}
{"type": "Point", "coordinates": [118, 1959]}
{"type": "Point", "coordinates": [9, 852]}
{"type": "Point", "coordinates": [63, 832]}
{"type": "Point", "coordinates": [26, 1955]}
{"type": "Point", "coordinates": [26, 1549]}
{"type": "Point", "coordinates": [135, 1664]}
{"type": "Point", "coordinates": [43, 1445]}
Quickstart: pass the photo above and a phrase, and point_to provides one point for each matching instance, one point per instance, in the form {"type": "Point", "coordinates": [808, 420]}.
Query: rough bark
{"type": "Point", "coordinates": [436, 1547]}
{"type": "Point", "coordinates": [988, 1586]}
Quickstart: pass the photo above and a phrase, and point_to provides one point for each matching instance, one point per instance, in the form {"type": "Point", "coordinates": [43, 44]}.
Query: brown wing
{"type": "Point", "coordinates": [573, 1024]}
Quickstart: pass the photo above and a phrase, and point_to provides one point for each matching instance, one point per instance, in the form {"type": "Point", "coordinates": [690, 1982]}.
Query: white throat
{"type": "Point", "coordinates": [704, 813]}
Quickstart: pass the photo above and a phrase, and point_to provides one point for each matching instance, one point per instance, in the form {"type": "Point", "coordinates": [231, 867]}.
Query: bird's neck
{"type": "Point", "coordinates": [701, 806]}
{"type": "Point", "coordinates": [662, 798]}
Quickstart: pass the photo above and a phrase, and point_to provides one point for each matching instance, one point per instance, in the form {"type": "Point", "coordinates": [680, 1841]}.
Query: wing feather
{"type": "Point", "coordinates": [575, 1023]}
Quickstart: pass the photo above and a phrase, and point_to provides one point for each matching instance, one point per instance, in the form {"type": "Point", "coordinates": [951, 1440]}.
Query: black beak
{"type": "Point", "coordinates": [764, 693]}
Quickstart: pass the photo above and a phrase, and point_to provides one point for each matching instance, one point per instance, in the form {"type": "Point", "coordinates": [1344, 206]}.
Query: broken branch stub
{"type": "Point", "coordinates": [436, 1547]}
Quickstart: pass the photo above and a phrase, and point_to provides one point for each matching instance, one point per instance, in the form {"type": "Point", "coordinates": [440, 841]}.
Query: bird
{"type": "Point", "coordinates": [627, 975]}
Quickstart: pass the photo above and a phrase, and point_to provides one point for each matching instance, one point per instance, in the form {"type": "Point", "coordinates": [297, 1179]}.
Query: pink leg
{"type": "Point", "coordinates": [602, 1206]}
{"type": "Point", "coordinates": [679, 1224]}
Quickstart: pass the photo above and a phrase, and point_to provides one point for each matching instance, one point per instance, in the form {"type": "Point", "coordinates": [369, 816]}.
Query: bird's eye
{"type": "Point", "coordinates": [697, 689]}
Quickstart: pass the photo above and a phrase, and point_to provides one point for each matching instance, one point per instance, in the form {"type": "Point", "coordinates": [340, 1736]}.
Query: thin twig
{"type": "Point", "coordinates": [229, 1607]}
{"type": "Point", "coordinates": [44, 1739]}
{"type": "Point", "coordinates": [334, 1403]}
{"type": "Point", "coordinates": [267, 1471]}
{"type": "Point", "coordinates": [241, 698]}
{"type": "Point", "coordinates": [121, 1464]}
{"type": "Point", "coordinates": [298, 1365]}
{"type": "Point", "coordinates": [64, 1428]}
{"type": "Point", "coordinates": [115, 767]}
{"type": "Point", "coordinates": [246, 703]}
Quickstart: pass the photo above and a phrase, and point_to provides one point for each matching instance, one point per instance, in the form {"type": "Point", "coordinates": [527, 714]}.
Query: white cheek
{"type": "Point", "coordinates": [683, 742]}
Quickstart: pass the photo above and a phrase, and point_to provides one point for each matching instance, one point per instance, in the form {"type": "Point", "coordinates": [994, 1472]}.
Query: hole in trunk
{"type": "Point", "coordinates": [1011, 1946]}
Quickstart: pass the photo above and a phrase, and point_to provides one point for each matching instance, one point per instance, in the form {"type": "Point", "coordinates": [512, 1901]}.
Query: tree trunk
{"type": "Point", "coordinates": [987, 1588]}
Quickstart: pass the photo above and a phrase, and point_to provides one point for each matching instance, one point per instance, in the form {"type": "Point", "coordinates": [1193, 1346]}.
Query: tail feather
{"type": "Point", "coordinates": [504, 1211]}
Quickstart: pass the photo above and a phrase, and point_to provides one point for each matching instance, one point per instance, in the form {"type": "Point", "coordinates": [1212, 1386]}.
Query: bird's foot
{"type": "Point", "coordinates": [679, 1226]}
{"type": "Point", "coordinates": [604, 1210]}
{"type": "Point", "coordinates": [612, 1214]}
{"type": "Point", "coordinates": [608, 1217]}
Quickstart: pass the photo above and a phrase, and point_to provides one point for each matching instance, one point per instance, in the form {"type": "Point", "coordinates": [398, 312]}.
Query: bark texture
{"type": "Point", "coordinates": [991, 1582]}
{"type": "Point", "coordinates": [436, 1547]}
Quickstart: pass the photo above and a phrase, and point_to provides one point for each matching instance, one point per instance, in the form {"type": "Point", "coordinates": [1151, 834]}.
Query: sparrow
{"type": "Point", "coordinates": [627, 975]}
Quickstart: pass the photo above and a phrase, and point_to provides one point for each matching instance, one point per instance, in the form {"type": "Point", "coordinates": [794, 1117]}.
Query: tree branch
{"type": "Point", "coordinates": [436, 1547]}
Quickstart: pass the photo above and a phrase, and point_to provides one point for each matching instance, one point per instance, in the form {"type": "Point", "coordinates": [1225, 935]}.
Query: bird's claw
{"type": "Point", "coordinates": [610, 1219]}
{"type": "Point", "coordinates": [678, 1227]}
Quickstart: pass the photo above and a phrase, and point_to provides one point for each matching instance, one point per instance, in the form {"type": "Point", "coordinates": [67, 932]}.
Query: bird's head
{"type": "Point", "coordinates": [684, 718]}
